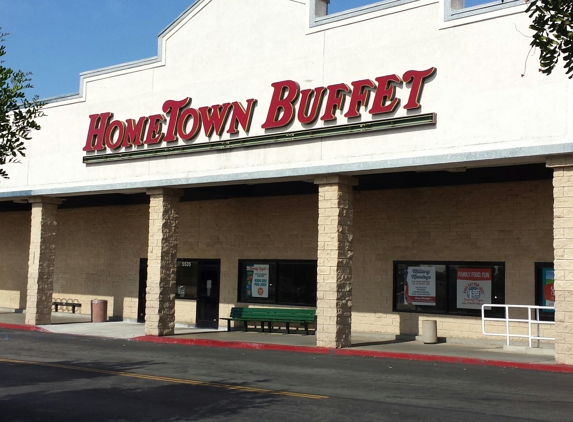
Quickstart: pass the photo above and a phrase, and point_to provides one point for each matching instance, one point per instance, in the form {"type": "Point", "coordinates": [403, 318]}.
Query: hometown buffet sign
{"type": "Point", "coordinates": [181, 122]}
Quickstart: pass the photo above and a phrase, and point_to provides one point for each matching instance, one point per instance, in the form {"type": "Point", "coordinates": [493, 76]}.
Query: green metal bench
{"type": "Point", "coordinates": [270, 315]}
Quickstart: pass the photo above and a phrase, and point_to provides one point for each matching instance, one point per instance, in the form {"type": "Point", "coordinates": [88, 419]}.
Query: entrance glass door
{"type": "Point", "coordinates": [197, 279]}
{"type": "Point", "coordinates": [208, 294]}
{"type": "Point", "coordinates": [142, 290]}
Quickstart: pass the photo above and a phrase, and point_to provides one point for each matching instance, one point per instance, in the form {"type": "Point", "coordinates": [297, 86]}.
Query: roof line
{"type": "Point", "coordinates": [157, 60]}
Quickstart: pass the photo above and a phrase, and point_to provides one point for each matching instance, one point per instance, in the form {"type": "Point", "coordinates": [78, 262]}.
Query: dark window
{"type": "Point", "coordinates": [411, 298]}
{"type": "Point", "coordinates": [545, 289]}
{"type": "Point", "coordinates": [297, 283]}
{"type": "Point", "coordinates": [457, 288]}
{"type": "Point", "coordinates": [281, 282]}
{"type": "Point", "coordinates": [187, 279]}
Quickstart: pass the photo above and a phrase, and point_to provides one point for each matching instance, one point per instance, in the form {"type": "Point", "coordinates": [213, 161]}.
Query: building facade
{"type": "Point", "coordinates": [385, 165]}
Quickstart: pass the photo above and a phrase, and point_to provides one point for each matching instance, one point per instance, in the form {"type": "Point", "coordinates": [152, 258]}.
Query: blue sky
{"type": "Point", "coordinates": [58, 39]}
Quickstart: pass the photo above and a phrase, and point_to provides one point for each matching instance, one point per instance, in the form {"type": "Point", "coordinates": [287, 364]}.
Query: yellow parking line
{"type": "Point", "coordinates": [168, 379]}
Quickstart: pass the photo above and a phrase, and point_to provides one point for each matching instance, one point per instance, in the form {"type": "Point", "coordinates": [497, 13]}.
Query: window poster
{"type": "Point", "coordinates": [420, 286]}
{"type": "Point", "coordinates": [258, 281]}
{"type": "Point", "coordinates": [473, 287]}
{"type": "Point", "coordinates": [548, 279]}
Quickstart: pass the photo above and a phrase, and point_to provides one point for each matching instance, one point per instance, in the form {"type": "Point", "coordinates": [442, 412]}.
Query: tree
{"type": "Point", "coordinates": [552, 23]}
{"type": "Point", "coordinates": [17, 113]}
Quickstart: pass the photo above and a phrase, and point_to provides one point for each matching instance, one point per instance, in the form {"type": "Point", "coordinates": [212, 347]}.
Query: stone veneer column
{"type": "Point", "coordinates": [563, 255]}
{"type": "Point", "coordinates": [41, 260]}
{"type": "Point", "coordinates": [161, 261]}
{"type": "Point", "coordinates": [334, 272]}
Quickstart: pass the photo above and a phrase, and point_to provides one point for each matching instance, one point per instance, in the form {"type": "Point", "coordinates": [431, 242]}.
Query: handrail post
{"type": "Point", "coordinates": [507, 324]}
{"type": "Point", "coordinates": [529, 326]}
{"type": "Point", "coordinates": [483, 319]}
{"type": "Point", "coordinates": [538, 328]}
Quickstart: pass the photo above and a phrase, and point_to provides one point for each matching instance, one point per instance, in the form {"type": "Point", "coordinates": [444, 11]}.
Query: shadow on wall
{"type": "Point", "coordinates": [114, 307]}
{"type": "Point", "coordinates": [121, 293]}
{"type": "Point", "coordinates": [409, 324]}
{"type": "Point", "coordinates": [13, 299]}
{"type": "Point", "coordinates": [118, 307]}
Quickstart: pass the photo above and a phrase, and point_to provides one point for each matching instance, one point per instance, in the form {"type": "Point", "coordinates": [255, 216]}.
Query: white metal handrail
{"type": "Point", "coordinates": [529, 320]}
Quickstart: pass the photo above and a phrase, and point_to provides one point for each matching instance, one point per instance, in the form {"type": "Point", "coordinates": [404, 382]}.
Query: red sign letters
{"type": "Point", "coordinates": [288, 101]}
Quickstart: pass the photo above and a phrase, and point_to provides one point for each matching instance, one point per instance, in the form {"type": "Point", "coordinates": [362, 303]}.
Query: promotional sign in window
{"type": "Point", "coordinates": [473, 287]}
{"type": "Point", "coordinates": [420, 286]}
{"type": "Point", "coordinates": [548, 279]}
{"type": "Point", "coordinates": [258, 281]}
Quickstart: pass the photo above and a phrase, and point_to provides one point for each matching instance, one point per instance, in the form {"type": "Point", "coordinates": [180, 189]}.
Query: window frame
{"type": "Point", "coordinates": [274, 274]}
{"type": "Point", "coordinates": [544, 315]}
{"type": "Point", "coordinates": [181, 260]}
{"type": "Point", "coordinates": [443, 304]}
{"type": "Point", "coordinates": [317, 20]}
{"type": "Point", "coordinates": [452, 14]}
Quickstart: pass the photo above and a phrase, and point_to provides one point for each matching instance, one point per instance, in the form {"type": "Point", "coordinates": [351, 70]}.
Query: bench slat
{"type": "Point", "coordinates": [270, 315]}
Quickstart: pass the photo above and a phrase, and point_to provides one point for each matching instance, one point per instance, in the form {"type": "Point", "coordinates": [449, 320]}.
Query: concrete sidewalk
{"type": "Point", "coordinates": [464, 351]}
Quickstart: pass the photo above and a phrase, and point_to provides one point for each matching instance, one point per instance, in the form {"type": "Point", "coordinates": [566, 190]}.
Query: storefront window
{"type": "Point", "coordinates": [187, 279]}
{"type": "Point", "coordinates": [282, 282]}
{"type": "Point", "coordinates": [457, 288]}
{"type": "Point", "coordinates": [545, 289]}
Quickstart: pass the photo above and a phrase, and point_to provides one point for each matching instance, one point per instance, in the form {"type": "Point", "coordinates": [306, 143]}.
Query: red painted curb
{"type": "Point", "coordinates": [22, 327]}
{"type": "Point", "coordinates": [548, 367]}
{"type": "Point", "coordinates": [233, 344]}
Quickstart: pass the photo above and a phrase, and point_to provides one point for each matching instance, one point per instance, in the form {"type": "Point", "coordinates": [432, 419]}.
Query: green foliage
{"type": "Point", "coordinates": [17, 113]}
{"type": "Point", "coordinates": [553, 33]}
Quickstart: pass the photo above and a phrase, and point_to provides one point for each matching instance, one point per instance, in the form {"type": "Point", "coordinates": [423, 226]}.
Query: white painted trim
{"type": "Point", "coordinates": [508, 156]}
{"type": "Point", "coordinates": [352, 16]}
{"type": "Point", "coordinates": [479, 16]}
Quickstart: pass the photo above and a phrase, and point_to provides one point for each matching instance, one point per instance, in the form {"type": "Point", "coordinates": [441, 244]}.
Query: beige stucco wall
{"type": "Point", "coordinates": [477, 94]}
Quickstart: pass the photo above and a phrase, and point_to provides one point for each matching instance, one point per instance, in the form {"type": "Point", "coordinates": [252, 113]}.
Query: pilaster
{"type": "Point", "coordinates": [41, 260]}
{"type": "Point", "coordinates": [563, 255]}
{"type": "Point", "coordinates": [162, 261]}
{"type": "Point", "coordinates": [334, 272]}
